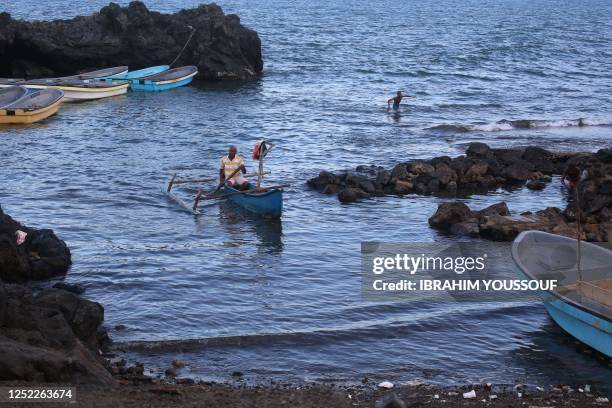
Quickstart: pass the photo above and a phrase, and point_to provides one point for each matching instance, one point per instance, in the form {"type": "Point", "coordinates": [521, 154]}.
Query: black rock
{"type": "Point", "coordinates": [536, 185]}
{"type": "Point", "coordinates": [73, 288]}
{"type": "Point", "coordinates": [605, 155]}
{"type": "Point", "coordinates": [220, 46]}
{"type": "Point", "coordinates": [351, 194]}
{"type": "Point", "coordinates": [479, 150]}
{"type": "Point", "coordinates": [449, 214]}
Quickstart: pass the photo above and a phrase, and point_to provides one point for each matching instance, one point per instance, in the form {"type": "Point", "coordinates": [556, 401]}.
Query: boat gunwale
{"type": "Point", "coordinates": [151, 78]}
{"type": "Point", "coordinates": [35, 110]}
{"type": "Point", "coordinates": [254, 195]}
{"type": "Point", "coordinates": [556, 294]}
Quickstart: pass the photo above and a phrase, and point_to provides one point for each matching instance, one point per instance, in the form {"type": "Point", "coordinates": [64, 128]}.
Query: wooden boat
{"type": "Point", "coordinates": [100, 73]}
{"type": "Point", "coordinates": [7, 82]}
{"type": "Point", "coordinates": [582, 302]}
{"type": "Point", "coordinates": [32, 107]}
{"type": "Point", "coordinates": [141, 73]}
{"type": "Point", "coordinates": [172, 78]}
{"type": "Point", "coordinates": [11, 94]}
{"type": "Point", "coordinates": [268, 204]}
{"type": "Point", "coordinates": [79, 90]}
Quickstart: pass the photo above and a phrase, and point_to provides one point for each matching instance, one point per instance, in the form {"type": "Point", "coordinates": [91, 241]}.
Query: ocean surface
{"type": "Point", "coordinates": [281, 301]}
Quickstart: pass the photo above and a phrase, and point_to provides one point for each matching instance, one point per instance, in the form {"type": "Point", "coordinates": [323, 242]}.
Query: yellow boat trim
{"type": "Point", "coordinates": [29, 115]}
{"type": "Point", "coordinates": [79, 88]}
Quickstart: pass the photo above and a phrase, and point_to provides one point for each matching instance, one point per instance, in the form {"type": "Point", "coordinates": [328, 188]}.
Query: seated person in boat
{"type": "Point", "coordinates": [229, 165]}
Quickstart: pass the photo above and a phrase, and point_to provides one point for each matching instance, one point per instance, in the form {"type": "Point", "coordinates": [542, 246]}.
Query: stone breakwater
{"type": "Point", "coordinates": [221, 47]}
{"type": "Point", "coordinates": [484, 169]}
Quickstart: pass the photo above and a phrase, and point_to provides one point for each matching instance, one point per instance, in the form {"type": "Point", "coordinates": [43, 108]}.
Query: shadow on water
{"type": "Point", "coordinates": [550, 349]}
{"type": "Point", "coordinates": [269, 232]}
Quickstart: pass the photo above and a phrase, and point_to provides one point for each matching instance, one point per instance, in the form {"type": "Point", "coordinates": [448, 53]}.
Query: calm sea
{"type": "Point", "coordinates": [227, 292]}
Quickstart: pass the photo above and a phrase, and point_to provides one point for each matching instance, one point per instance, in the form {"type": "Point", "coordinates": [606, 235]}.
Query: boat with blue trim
{"type": "Point", "coordinates": [169, 79]}
{"type": "Point", "coordinates": [581, 304]}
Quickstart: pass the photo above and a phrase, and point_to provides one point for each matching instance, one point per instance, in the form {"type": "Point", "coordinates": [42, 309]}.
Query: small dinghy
{"type": "Point", "coordinates": [11, 94]}
{"type": "Point", "coordinates": [79, 90]}
{"type": "Point", "coordinates": [172, 78]}
{"type": "Point", "coordinates": [101, 73]}
{"type": "Point", "coordinates": [582, 302]}
{"type": "Point", "coordinates": [7, 82]}
{"type": "Point", "coordinates": [268, 203]}
{"type": "Point", "coordinates": [32, 107]}
{"type": "Point", "coordinates": [141, 73]}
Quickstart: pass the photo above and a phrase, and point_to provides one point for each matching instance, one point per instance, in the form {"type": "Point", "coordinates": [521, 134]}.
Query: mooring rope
{"type": "Point", "coordinates": [193, 30]}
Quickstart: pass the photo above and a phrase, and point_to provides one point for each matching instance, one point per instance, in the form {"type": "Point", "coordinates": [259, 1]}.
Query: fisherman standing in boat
{"type": "Point", "coordinates": [230, 165]}
{"type": "Point", "coordinates": [397, 99]}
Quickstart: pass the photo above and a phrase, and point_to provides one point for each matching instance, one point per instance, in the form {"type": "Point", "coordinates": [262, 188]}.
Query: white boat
{"type": "Point", "coordinates": [582, 302]}
{"type": "Point", "coordinates": [79, 90]}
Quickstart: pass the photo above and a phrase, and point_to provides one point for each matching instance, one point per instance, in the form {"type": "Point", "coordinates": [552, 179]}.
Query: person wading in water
{"type": "Point", "coordinates": [229, 164]}
{"type": "Point", "coordinates": [397, 99]}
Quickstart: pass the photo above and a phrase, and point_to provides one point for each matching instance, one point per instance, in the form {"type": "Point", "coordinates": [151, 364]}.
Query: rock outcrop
{"type": "Point", "coordinates": [480, 170]}
{"type": "Point", "coordinates": [41, 255]}
{"type": "Point", "coordinates": [221, 47]}
{"type": "Point", "coordinates": [495, 222]}
{"type": "Point", "coordinates": [51, 336]}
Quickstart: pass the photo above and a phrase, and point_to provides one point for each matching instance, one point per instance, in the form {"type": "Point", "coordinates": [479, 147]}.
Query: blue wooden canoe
{"type": "Point", "coordinates": [582, 303]}
{"type": "Point", "coordinates": [268, 204]}
{"type": "Point", "coordinates": [140, 73]}
{"type": "Point", "coordinates": [172, 78]}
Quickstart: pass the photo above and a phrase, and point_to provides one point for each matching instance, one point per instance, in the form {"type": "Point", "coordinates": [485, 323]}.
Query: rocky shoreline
{"type": "Point", "coordinates": [221, 47]}
{"type": "Point", "coordinates": [483, 169]}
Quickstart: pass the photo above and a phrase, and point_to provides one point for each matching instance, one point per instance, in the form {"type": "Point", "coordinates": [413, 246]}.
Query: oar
{"type": "Point", "coordinates": [226, 180]}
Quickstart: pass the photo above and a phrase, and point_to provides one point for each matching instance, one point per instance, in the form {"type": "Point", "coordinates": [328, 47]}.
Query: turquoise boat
{"type": "Point", "coordinates": [169, 79]}
{"type": "Point", "coordinates": [581, 304]}
{"type": "Point", "coordinates": [140, 73]}
{"type": "Point", "coordinates": [268, 204]}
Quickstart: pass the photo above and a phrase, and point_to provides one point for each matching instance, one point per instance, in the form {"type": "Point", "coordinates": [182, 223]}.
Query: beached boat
{"type": "Point", "coordinates": [32, 107]}
{"type": "Point", "coordinates": [140, 73]}
{"type": "Point", "coordinates": [267, 204]}
{"type": "Point", "coordinates": [582, 302]}
{"type": "Point", "coordinates": [162, 81]}
{"type": "Point", "coordinates": [11, 94]}
{"type": "Point", "coordinates": [79, 90]}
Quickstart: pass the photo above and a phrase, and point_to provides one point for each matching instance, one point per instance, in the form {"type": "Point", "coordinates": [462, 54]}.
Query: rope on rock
{"type": "Point", "coordinates": [193, 30]}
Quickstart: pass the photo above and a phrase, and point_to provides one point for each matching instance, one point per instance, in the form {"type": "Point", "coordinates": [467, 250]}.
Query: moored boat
{"type": "Point", "coordinates": [79, 90]}
{"type": "Point", "coordinates": [6, 82]}
{"type": "Point", "coordinates": [32, 107]}
{"type": "Point", "coordinates": [140, 73]}
{"type": "Point", "coordinates": [266, 203]}
{"type": "Point", "coordinates": [11, 94]}
{"type": "Point", "coordinates": [582, 302]}
{"type": "Point", "coordinates": [100, 73]}
{"type": "Point", "coordinates": [172, 78]}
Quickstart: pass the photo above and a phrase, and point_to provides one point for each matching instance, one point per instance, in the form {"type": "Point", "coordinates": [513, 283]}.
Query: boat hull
{"type": "Point", "coordinates": [153, 86]}
{"type": "Point", "coordinates": [593, 331]}
{"type": "Point", "coordinates": [21, 116]}
{"type": "Point", "coordinates": [268, 204]}
{"type": "Point", "coordinates": [76, 93]}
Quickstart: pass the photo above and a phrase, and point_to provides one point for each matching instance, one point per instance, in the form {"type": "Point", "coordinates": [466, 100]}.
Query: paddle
{"type": "Point", "coordinates": [199, 195]}
{"type": "Point", "coordinates": [226, 180]}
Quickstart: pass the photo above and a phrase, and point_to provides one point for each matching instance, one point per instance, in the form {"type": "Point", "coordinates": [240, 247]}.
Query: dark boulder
{"type": "Point", "coordinates": [604, 155]}
{"type": "Point", "coordinates": [478, 149]}
{"type": "Point", "coordinates": [220, 46]}
{"type": "Point", "coordinates": [50, 337]}
{"type": "Point", "coordinates": [449, 214]}
{"type": "Point", "coordinates": [540, 159]}
{"type": "Point", "coordinates": [42, 255]}
{"type": "Point", "coordinates": [351, 194]}
{"type": "Point", "coordinates": [518, 172]}
{"type": "Point", "coordinates": [322, 180]}
{"type": "Point", "coordinates": [500, 208]}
